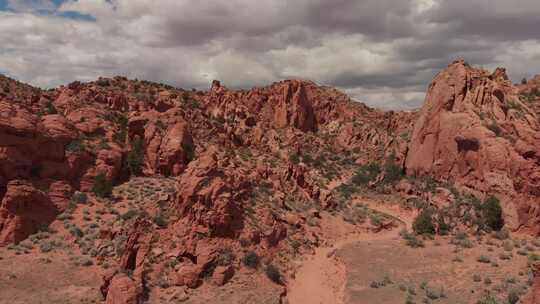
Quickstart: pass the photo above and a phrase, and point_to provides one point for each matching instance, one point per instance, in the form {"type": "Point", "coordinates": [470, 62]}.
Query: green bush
{"type": "Point", "coordinates": [392, 172]}
{"type": "Point", "coordinates": [160, 220]}
{"type": "Point", "coordinates": [513, 297]}
{"type": "Point", "coordinates": [50, 109]}
{"type": "Point", "coordinates": [76, 146]}
{"type": "Point", "coordinates": [251, 260]}
{"type": "Point", "coordinates": [494, 127]}
{"type": "Point", "coordinates": [423, 223]}
{"type": "Point", "coordinates": [102, 186]}
{"type": "Point", "coordinates": [366, 173]}
{"type": "Point", "coordinates": [135, 157]}
{"type": "Point", "coordinates": [492, 213]}
{"type": "Point", "coordinates": [46, 246]}
{"type": "Point", "coordinates": [487, 299]}
{"type": "Point", "coordinates": [225, 258]}
{"type": "Point", "coordinates": [129, 214]}
{"type": "Point", "coordinates": [272, 272]}
{"type": "Point", "coordinates": [35, 170]}
{"type": "Point", "coordinates": [80, 198]}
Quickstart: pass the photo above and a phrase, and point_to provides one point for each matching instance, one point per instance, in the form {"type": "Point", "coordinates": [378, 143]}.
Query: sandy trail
{"type": "Point", "coordinates": [322, 277]}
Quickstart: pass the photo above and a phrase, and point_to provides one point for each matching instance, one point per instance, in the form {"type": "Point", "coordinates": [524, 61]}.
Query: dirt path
{"type": "Point", "coordinates": [322, 277]}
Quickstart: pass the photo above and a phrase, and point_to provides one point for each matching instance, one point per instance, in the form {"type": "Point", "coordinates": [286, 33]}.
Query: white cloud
{"type": "Point", "coordinates": [383, 52]}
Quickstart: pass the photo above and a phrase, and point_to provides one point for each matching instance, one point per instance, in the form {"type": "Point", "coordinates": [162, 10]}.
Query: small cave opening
{"type": "Point", "coordinates": [467, 144]}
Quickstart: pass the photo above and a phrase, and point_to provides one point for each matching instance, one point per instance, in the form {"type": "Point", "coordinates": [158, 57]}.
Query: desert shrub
{"type": "Point", "coordinates": [35, 170]}
{"type": "Point", "coordinates": [135, 157]}
{"type": "Point", "coordinates": [189, 101]}
{"type": "Point", "coordinates": [393, 172]}
{"type": "Point", "coordinates": [423, 223]}
{"type": "Point", "coordinates": [76, 146]}
{"type": "Point", "coordinates": [79, 198]}
{"type": "Point", "coordinates": [487, 299]}
{"type": "Point", "coordinates": [365, 174]}
{"type": "Point", "coordinates": [295, 159]}
{"type": "Point", "coordinates": [50, 109]}
{"type": "Point", "coordinates": [104, 145]}
{"type": "Point", "coordinates": [504, 256]}
{"type": "Point", "coordinates": [76, 232]}
{"type": "Point", "coordinates": [502, 234]}
{"type": "Point", "coordinates": [483, 259]}
{"type": "Point", "coordinates": [272, 272]}
{"type": "Point", "coordinates": [346, 190]}
{"type": "Point", "coordinates": [251, 260]}
{"type": "Point", "coordinates": [129, 214]}
{"type": "Point", "coordinates": [492, 213]}
{"type": "Point", "coordinates": [457, 259]}
{"type": "Point", "coordinates": [225, 258]}
{"type": "Point", "coordinates": [102, 186]}
{"type": "Point", "coordinates": [513, 296]}
{"type": "Point", "coordinates": [86, 262]}
{"type": "Point", "coordinates": [46, 246]}
{"type": "Point", "coordinates": [494, 127]}
{"type": "Point", "coordinates": [160, 220]}
{"type": "Point", "coordinates": [103, 82]}
{"type": "Point", "coordinates": [434, 295]}
{"type": "Point", "coordinates": [409, 300]}
{"type": "Point", "coordinates": [412, 240]}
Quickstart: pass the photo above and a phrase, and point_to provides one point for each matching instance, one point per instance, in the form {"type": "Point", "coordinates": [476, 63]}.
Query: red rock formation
{"type": "Point", "coordinates": [23, 211]}
{"type": "Point", "coordinates": [470, 131]}
{"type": "Point", "coordinates": [294, 108]}
{"type": "Point", "coordinates": [208, 196]}
{"type": "Point", "coordinates": [123, 290]}
{"type": "Point", "coordinates": [117, 287]}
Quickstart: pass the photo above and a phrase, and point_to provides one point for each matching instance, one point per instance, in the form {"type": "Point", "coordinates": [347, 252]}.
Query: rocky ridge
{"type": "Point", "coordinates": [248, 171]}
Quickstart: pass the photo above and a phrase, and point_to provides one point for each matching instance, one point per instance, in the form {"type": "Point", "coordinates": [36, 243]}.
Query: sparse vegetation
{"type": "Point", "coordinates": [423, 223]}
{"type": "Point", "coordinates": [272, 272]}
{"type": "Point", "coordinates": [365, 174]}
{"type": "Point", "coordinates": [492, 212]}
{"type": "Point", "coordinates": [251, 260]}
{"type": "Point", "coordinates": [135, 157]}
{"type": "Point", "coordinates": [102, 186]}
{"type": "Point", "coordinates": [50, 109]}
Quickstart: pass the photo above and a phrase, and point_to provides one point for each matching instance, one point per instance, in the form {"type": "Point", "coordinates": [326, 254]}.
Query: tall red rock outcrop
{"type": "Point", "coordinates": [294, 108]}
{"type": "Point", "coordinates": [475, 131]}
{"type": "Point", "coordinates": [23, 211]}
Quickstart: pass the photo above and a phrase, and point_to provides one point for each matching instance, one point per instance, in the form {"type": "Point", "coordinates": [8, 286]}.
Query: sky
{"type": "Point", "coordinates": [381, 52]}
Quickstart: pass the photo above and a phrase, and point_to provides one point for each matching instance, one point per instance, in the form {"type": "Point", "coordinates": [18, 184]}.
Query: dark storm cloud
{"type": "Point", "coordinates": [383, 52]}
{"type": "Point", "coordinates": [377, 19]}
{"type": "Point", "coordinates": [496, 19]}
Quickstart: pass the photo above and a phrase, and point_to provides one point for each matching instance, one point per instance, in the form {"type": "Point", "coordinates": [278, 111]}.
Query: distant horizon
{"type": "Point", "coordinates": [224, 83]}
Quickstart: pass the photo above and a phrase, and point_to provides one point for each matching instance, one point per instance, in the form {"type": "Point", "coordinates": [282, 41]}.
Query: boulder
{"type": "Point", "coordinates": [222, 274]}
{"type": "Point", "coordinates": [123, 290]}
{"type": "Point", "coordinates": [23, 211]}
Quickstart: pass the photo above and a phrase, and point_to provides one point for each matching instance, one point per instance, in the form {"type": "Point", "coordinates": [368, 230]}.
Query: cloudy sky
{"type": "Point", "coordinates": [382, 52]}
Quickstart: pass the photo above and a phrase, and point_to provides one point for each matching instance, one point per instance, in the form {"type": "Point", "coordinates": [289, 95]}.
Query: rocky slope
{"type": "Point", "coordinates": [206, 183]}
{"type": "Point", "coordinates": [476, 132]}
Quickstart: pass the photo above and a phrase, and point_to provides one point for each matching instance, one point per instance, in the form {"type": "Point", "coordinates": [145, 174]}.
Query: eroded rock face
{"type": "Point", "coordinates": [168, 145]}
{"type": "Point", "coordinates": [208, 196]}
{"type": "Point", "coordinates": [123, 290]}
{"type": "Point", "coordinates": [475, 131]}
{"type": "Point", "coordinates": [295, 109]}
{"type": "Point", "coordinates": [117, 287]}
{"type": "Point", "coordinates": [23, 211]}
